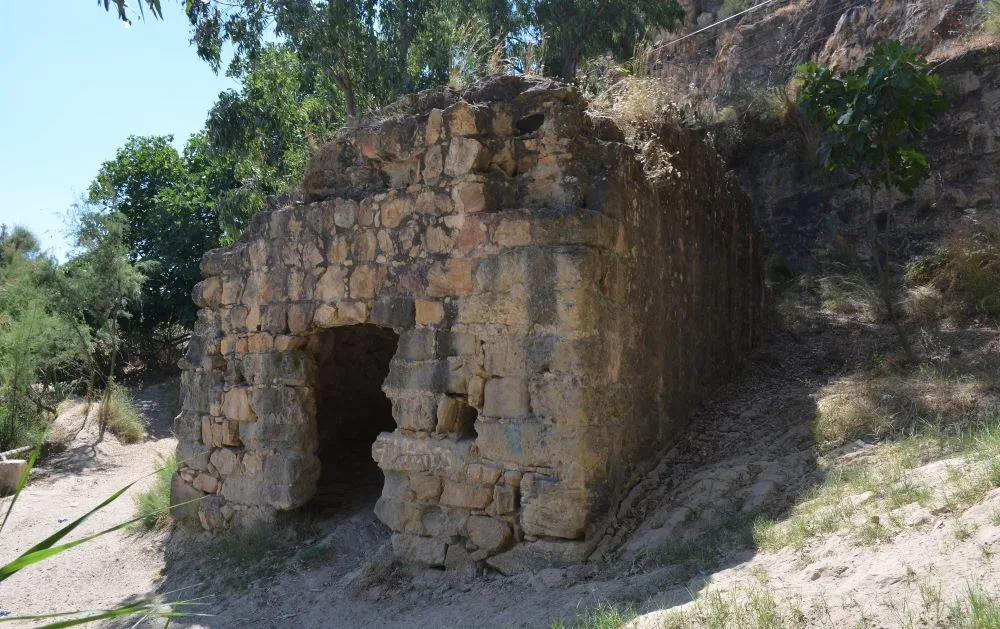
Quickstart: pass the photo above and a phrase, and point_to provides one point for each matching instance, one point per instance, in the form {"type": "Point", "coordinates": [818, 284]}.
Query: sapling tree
{"type": "Point", "coordinates": [872, 118]}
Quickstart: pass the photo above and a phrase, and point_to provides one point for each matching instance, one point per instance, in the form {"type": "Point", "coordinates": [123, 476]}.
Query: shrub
{"type": "Point", "coordinates": [153, 504]}
{"type": "Point", "coordinates": [992, 24]}
{"type": "Point", "coordinates": [732, 7]}
{"type": "Point", "coordinates": [923, 303]}
{"type": "Point", "coordinates": [119, 415]}
{"type": "Point", "coordinates": [851, 294]}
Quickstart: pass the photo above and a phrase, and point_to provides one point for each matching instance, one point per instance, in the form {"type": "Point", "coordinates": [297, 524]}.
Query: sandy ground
{"type": "Point", "coordinates": [66, 485]}
{"type": "Point", "coordinates": [749, 450]}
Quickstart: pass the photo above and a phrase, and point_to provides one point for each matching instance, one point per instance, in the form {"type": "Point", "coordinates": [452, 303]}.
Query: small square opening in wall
{"type": "Point", "coordinates": [352, 362]}
{"type": "Point", "coordinates": [455, 417]}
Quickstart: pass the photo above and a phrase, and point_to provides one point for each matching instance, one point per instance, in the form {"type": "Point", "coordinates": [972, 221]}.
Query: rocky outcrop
{"type": "Point", "coordinates": [747, 64]}
{"type": "Point", "coordinates": [555, 314]}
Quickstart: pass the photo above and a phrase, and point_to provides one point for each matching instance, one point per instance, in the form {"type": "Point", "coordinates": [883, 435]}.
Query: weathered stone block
{"type": "Point", "coordinates": [345, 213]}
{"type": "Point", "coordinates": [424, 551]}
{"type": "Point", "coordinates": [288, 467]}
{"type": "Point", "coordinates": [210, 514]}
{"type": "Point", "coordinates": [284, 405]}
{"type": "Point", "coordinates": [416, 345]}
{"type": "Point", "coordinates": [289, 368]}
{"type": "Point", "coordinates": [461, 119]}
{"type": "Point", "coordinates": [507, 397]}
{"type": "Point", "coordinates": [504, 499]}
{"type": "Point", "coordinates": [465, 155]}
{"type": "Point", "coordinates": [552, 509]}
{"type": "Point", "coordinates": [457, 560]}
{"type": "Point", "coordinates": [433, 165]}
{"type": "Point", "coordinates": [435, 121]}
{"type": "Point", "coordinates": [206, 482]}
{"type": "Point", "coordinates": [466, 495]}
{"type": "Point", "coordinates": [395, 210]}
{"type": "Point", "coordinates": [236, 404]}
{"type": "Point", "coordinates": [331, 285]}
{"type": "Point", "coordinates": [470, 197]}
{"type": "Point", "coordinates": [428, 312]}
{"type": "Point", "coordinates": [187, 427]}
{"type": "Point", "coordinates": [394, 451]}
{"type": "Point", "coordinates": [452, 277]}
{"type": "Point", "coordinates": [415, 412]}
{"type": "Point", "coordinates": [193, 455]}
{"type": "Point", "coordinates": [489, 534]}
{"type": "Point", "coordinates": [425, 488]}
{"type": "Point", "coordinates": [225, 461]}
{"type": "Point", "coordinates": [187, 497]}
{"type": "Point", "coordinates": [393, 312]}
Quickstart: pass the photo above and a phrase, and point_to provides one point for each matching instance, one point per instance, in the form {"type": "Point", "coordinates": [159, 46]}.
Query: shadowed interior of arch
{"type": "Point", "coordinates": [352, 362]}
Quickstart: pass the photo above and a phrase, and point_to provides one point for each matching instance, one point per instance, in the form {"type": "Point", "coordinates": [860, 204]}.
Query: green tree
{"type": "Point", "coordinates": [265, 133]}
{"type": "Point", "coordinates": [40, 346]}
{"type": "Point", "coordinates": [362, 46]}
{"type": "Point", "coordinates": [104, 286]}
{"type": "Point", "coordinates": [574, 29]}
{"type": "Point", "coordinates": [168, 221]}
{"type": "Point", "coordinates": [122, 8]}
{"type": "Point", "coordinates": [872, 118]}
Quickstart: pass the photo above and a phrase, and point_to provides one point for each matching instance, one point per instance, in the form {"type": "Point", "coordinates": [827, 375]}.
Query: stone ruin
{"type": "Point", "coordinates": [487, 293]}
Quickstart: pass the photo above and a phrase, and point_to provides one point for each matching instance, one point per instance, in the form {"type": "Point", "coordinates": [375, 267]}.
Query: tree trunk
{"type": "Point", "coordinates": [570, 55]}
{"type": "Point", "coordinates": [345, 86]}
{"type": "Point", "coordinates": [884, 276]}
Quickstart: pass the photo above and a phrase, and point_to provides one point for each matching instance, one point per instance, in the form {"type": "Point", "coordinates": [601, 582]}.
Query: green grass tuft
{"type": "Point", "coordinates": [605, 616]}
{"type": "Point", "coordinates": [120, 417]}
{"type": "Point", "coordinates": [153, 503]}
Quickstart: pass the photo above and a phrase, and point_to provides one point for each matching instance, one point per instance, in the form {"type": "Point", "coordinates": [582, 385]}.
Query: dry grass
{"type": "Point", "coordinates": [753, 604]}
{"type": "Point", "coordinates": [635, 101]}
{"type": "Point", "coordinates": [964, 269]}
{"type": "Point", "coordinates": [851, 294]}
{"type": "Point", "coordinates": [119, 415]}
{"type": "Point", "coordinates": [923, 304]}
{"type": "Point", "coordinates": [946, 396]}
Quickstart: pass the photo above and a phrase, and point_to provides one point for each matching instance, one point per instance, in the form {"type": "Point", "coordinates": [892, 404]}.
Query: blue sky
{"type": "Point", "coordinates": [74, 84]}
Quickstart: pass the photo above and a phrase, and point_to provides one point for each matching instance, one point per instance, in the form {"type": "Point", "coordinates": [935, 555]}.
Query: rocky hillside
{"type": "Point", "coordinates": [738, 79]}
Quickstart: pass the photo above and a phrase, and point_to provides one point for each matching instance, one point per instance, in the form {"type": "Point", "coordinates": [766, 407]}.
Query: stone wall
{"type": "Point", "coordinates": [558, 312]}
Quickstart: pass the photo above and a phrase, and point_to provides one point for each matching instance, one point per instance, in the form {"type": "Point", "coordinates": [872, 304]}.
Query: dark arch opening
{"type": "Point", "coordinates": [352, 362]}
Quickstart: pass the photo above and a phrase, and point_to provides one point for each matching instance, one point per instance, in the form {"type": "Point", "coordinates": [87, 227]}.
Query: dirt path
{"type": "Point", "coordinates": [68, 484]}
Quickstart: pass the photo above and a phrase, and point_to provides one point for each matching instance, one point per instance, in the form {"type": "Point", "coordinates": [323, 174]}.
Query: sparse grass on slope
{"type": "Point", "coordinates": [860, 495]}
{"type": "Point", "coordinates": [946, 397]}
{"type": "Point", "coordinates": [603, 617]}
{"type": "Point", "coordinates": [755, 604]}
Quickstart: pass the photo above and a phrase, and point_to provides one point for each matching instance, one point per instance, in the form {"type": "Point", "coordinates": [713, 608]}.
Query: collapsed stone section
{"type": "Point", "coordinates": [558, 313]}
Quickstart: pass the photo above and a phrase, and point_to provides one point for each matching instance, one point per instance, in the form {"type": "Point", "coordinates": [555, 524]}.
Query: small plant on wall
{"type": "Point", "coordinates": [872, 118]}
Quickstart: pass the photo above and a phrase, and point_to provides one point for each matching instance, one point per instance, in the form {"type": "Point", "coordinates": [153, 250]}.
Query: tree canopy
{"type": "Point", "coordinates": [375, 51]}
{"type": "Point", "coordinates": [873, 116]}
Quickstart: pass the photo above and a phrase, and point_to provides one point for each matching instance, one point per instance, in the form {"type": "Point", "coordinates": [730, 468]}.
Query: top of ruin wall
{"type": "Point", "coordinates": [384, 151]}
